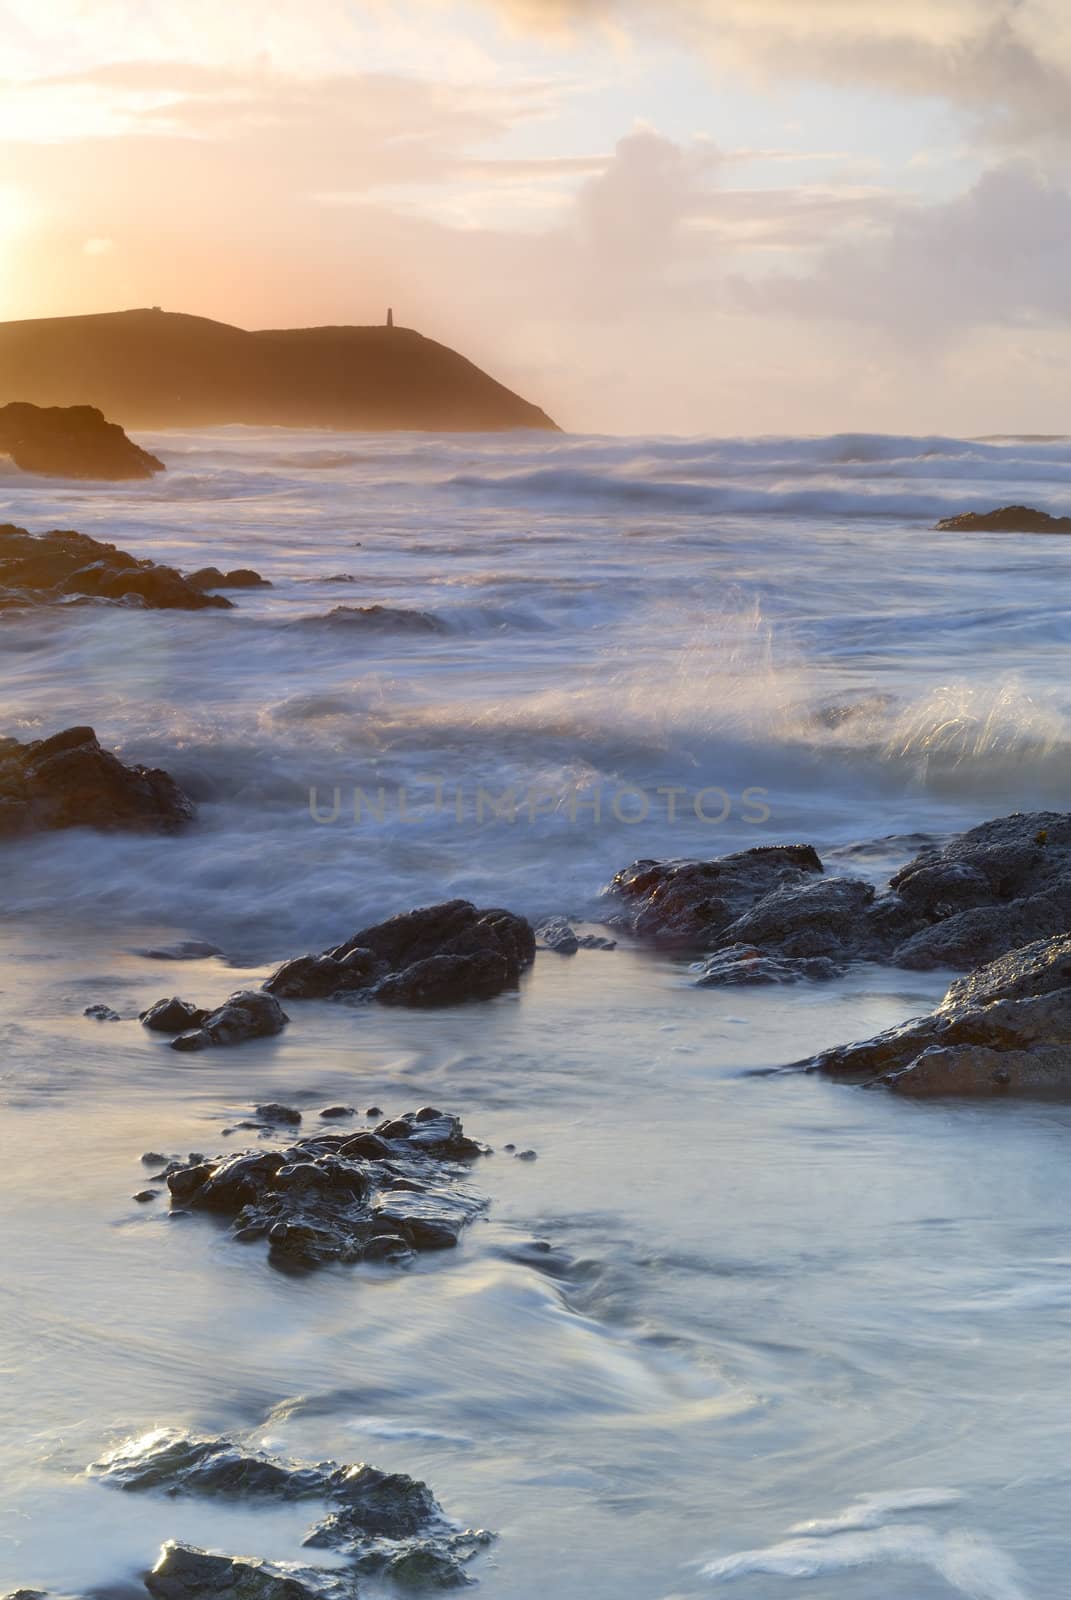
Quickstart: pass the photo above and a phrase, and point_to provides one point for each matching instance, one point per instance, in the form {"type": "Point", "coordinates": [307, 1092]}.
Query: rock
{"type": "Point", "coordinates": [744, 964]}
{"type": "Point", "coordinates": [52, 568]}
{"type": "Point", "coordinates": [595, 941]}
{"type": "Point", "coordinates": [153, 1158]}
{"type": "Point", "coordinates": [343, 1197]}
{"type": "Point", "coordinates": [525, 1155]}
{"type": "Point", "coordinates": [102, 1013]}
{"type": "Point", "coordinates": [377, 619]}
{"type": "Point", "coordinates": [68, 781]}
{"type": "Point", "coordinates": [377, 1522]}
{"type": "Point", "coordinates": [556, 934]}
{"type": "Point", "coordinates": [239, 578]}
{"type": "Point", "coordinates": [246, 1014]}
{"type": "Point", "coordinates": [1008, 519]}
{"type": "Point", "coordinates": [438, 955]}
{"type": "Point", "coordinates": [337, 1112]}
{"type": "Point", "coordinates": [143, 1196]}
{"type": "Point", "coordinates": [1005, 1029]}
{"type": "Point", "coordinates": [182, 1572]}
{"type": "Point", "coordinates": [71, 442]}
{"type": "Point", "coordinates": [182, 950]}
{"type": "Point", "coordinates": [990, 890]}
{"type": "Point", "coordinates": [172, 1016]}
{"type": "Point", "coordinates": [274, 1112]}
{"type": "Point", "coordinates": [686, 903]}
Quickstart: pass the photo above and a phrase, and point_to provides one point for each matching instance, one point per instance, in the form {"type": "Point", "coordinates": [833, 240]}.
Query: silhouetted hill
{"type": "Point", "coordinates": [161, 369]}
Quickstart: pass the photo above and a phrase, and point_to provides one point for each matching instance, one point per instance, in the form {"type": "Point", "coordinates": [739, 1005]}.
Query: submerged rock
{"type": "Point", "coordinates": [68, 781]}
{"type": "Point", "coordinates": [377, 1195]}
{"type": "Point", "coordinates": [558, 935]}
{"type": "Point", "coordinates": [172, 1016]}
{"type": "Point", "coordinates": [246, 1014]}
{"type": "Point", "coordinates": [377, 619]}
{"type": "Point", "coordinates": [743, 964]}
{"type": "Point", "coordinates": [990, 890]}
{"type": "Point", "coordinates": [71, 442]}
{"type": "Point", "coordinates": [1008, 519]}
{"type": "Point", "coordinates": [1005, 1029]}
{"type": "Point", "coordinates": [102, 1013]}
{"type": "Point", "coordinates": [436, 956]}
{"type": "Point", "coordinates": [378, 1522]}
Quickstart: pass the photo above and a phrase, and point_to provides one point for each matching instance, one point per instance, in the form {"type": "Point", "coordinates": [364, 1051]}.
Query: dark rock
{"type": "Point", "coordinates": [337, 1112]}
{"type": "Point", "coordinates": [692, 903]}
{"type": "Point", "coordinates": [595, 941]}
{"type": "Point", "coordinates": [377, 1521]}
{"type": "Point", "coordinates": [328, 1197]}
{"type": "Point", "coordinates": [68, 781]}
{"type": "Point", "coordinates": [1008, 519]}
{"type": "Point", "coordinates": [1005, 1029]}
{"type": "Point", "coordinates": [556, 934]}
{"type": "Point", "coordinates": [102, 1013]}
{"type": "Point", "coordinates": [239, 578]}
{"type": "Point", "coordinates": [744, 964]}
{"type": "Point", "coordinates": [439, 955]}
{"type": "Point", "coordinates": [51, 568]}
{"type": "Point", "coordinates": [274, 1112]}
{"type": "Point", "coordinates": [525, 1155]}
{"type": "Point", "coordinates": [143, 1196]}
{"type": "Point", "coordinates": [71, 442]}
{"type": "Point", "coordinates": [183, 1572]}
{"type": "Point", "coordinates": [183, 950]}
{"type": "Point", "coordinates": [377, 619]}
{"type": "Point", "coordinates": [153, 1158]}
{"type": "Point", "coordinates": [172, 1016]}
{"type": "Point", "coordinates": [246, 1014]}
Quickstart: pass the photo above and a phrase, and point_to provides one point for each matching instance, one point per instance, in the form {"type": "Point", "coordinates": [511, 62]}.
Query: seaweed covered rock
{"type": "Point", "coordinates": [1007, 519]}
{"type": "Point", "coordinates": [379, 1195]}
{"type": "Point", "coordinates": [378, 1522]}
{"type": "Point", "coordinates": [246, 1014]}
{"type": "Point", "coordinates": [1005, 1029]}
{"type": "Point", "coordinates": [71, 442]}
{"type": "Point", "coordinates": [438, 955]}
{"type": "Point", "coordinates": [63, 567]}
{"type": "Point", "coordinates": [68, 781]}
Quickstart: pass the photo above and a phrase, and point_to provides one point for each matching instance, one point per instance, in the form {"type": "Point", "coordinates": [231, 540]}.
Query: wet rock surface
{"type": "Point", "coordinates": [379, 1194]}
{"type": "Point", "coordinates": [69, 781]}
{"type": "Point", "coordinates": [63, 567]}
{"type": "Point", "coordinates": [1005, 1029]}
{"type": "Point", "coordinates": [380, 1523]}
{"type": "Point", "coordinates": [71, 442]}
{"type": "Point", "coordinates": [992, 889]}
{"type": "Point", "coordinates": [1006, 519]}
{"type": "Point", "coordinates": [436, 956]}
{"type": "Point", "coordinates": [246, 1014]}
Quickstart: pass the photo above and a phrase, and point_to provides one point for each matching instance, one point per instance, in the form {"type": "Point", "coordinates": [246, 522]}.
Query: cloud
{"type": "Point", "coordinates": [1006, 64]}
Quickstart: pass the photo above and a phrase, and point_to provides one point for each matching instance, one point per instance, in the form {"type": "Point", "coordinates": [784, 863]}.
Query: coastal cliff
{"type": "Point", "coordinates": [160, 369]}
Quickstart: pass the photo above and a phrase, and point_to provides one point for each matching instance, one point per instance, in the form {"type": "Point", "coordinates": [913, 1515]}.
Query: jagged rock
{"type": "Point", "coordinates": [992, 889]}
{"type": "Point", "coordinates": [1008, 519]}
{"type": "Point", "coordinates": [246, 1014]}
{"type": "Point", "coordinates": [438, 955]}
{"type": "Point", "coordinates": [102, 1013]}
{"type": "Point", "coordinates": [557, 934]}
{"type": "Point", "coordinates": [71, 442]}
{"type": "Point", "coordinates": [380, 1522]}
{"type": "Point", "coordinates": [68, 781]}
{"type": "Point", "coordinates": [692, 902]}
{"type": "Point", "coordinates": [1005, 1029]}
{"type": "Point", "coordinates": [237, 578]}
{"type": "Point", "coordinates": [378, 1194]}
{"type": "Point", "coordinates": [184, 1572]}
{"type": "Point", "coordinates": [744, 964]}
{"type": "Point", "coordinates": [54, 568]}
{"type": "Point", "coordinates": [172, 1016]}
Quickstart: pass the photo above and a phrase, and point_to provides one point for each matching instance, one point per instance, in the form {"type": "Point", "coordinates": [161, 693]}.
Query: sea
{"type": "Point", "coordinates": [791, 1340]}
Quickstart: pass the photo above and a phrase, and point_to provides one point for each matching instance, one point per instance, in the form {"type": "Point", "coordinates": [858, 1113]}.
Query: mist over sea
{"type": "Point", "coordinates": [804, 1332]}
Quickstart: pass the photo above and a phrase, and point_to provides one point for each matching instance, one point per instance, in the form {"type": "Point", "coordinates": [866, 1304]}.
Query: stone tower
{"type": "Point", "coordinates": [390, 316]}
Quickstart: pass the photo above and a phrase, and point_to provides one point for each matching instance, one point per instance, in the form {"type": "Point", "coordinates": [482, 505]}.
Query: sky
{"type": "Point", "coordinates": [648, 216]}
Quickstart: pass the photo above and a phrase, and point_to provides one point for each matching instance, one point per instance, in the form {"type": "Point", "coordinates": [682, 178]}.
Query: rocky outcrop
{"type": "Point", "coordinates": [65, 568]}
{"type": "Point", "coordinates": [436, 956]}
{"type": "Point", "coordinates": [376, 1195]}
{"type": "Point", "coordinates": [765, 913]}
{"type": "Point", "coordinates": [71, 442]}
{"type": "Point", "coordinates": [383, 1524]}
{"type": "Point", "coordinates": [1008, 519]}
{"type": "Point", "coordinates": [238, 578]}
{"type": "Point", "coordinates": [68, 781]}
{"type": "Point", "coordinates": [163, 369]}
{"type": "Point", "coordinates": [246, 1014]}
{"type": "Point", "coordinates": [1005, 1029]}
